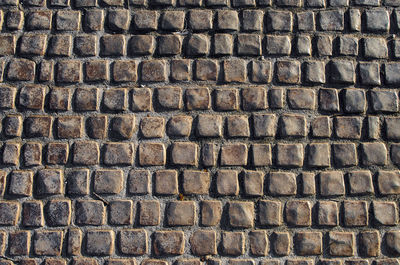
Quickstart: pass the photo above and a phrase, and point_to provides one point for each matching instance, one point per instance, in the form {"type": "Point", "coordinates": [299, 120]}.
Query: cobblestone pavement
{"type": "Point", "coordinates": [163, 132]}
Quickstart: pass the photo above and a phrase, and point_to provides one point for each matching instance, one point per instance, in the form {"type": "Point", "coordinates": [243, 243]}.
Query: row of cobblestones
{"type": "Point", "coordinates": [120, 20]}
{"type": "Point", "coordinates": [200, 3]}
{"type": "Point", "coordinates": [199, 45]}
{"type": "Point", "coordinates": [168, 182]}
{"type": "Point", "coordinates": [223, 100]}
{"type": "Point", "coordinates": [281, 155]}
{"type": "Point", "coordinates": [283, 71]}
{"type": "Point", "coordinates": [134, 242]}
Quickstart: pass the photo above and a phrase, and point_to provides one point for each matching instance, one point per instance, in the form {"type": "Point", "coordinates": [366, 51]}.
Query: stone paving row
{"type": "Point", "coordinates": [191, 132]}
{"type": "Point", "coordinates": [286, 71]}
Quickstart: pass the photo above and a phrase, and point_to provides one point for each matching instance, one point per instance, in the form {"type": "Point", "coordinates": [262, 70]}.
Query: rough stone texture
{"type": "Point", "coordinates": [168, 243]}
{"type": "Point", "coordinates": [341, 244]}
{"type": "Point", "coordinates": [308, 243]}
{"type": "Point", "coordinates": [203, 242]}
{"type": "Point", "coordinates": [189, 132]}
{"type": "Point", "coordinates": [133, 241]}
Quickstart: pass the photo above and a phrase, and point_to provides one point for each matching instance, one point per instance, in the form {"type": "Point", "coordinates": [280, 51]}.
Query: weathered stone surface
{"type": "Point", "coordinates": [227, 20]}
{"type": "Point", "coordinates": [370, 243]}
{"type": "Point", "coordinates": [227, 182]}
{"type": "Point", "coordinates": [152, 154]}
{"type": "Point", "coordinates": [32, 214]}
{"type": "Point", "coordinates": [360, 182]}
{"type": "Point", "coordinates": [237, 126]}
{"type": "Point", "coordinates": [341, 243]}
{"type": "Point", "coordinates": [58, 212]}
{"type": "Point", "coordinates": [152, 127]}
{"type": "Point", "coordinates": [86, 153]}
{"type": "Point", "coordinates": [315, 72]}
{"type": "Point", "coordinates": [181, 213]}
{"type": "Point", "coordinates": [108, 181]}
{"type": "Point", "coordinates": [166, 182]}
{"type": "Point", "coordinates": [254, 183]}
{"type": "Point", "coordinates": [329, 100]}
{"type": "Point", "coordinates": [8, 44]}
{"type": "Point", "coordinates": [57, 153]}
{"type": "Point", "coordinates": [374, 154]}
{"type": "Point", "coordinates": [182, 132]}
{"type": "Point", "coordinates": [133, 241]}
{"type": "Point", "coordinates": [50, 182]}
{"type": "Point", "coordinates": [377, 20]}
{"type": "Point", "coordinates": [261, 154]}
{"type": "Point", "coordinates": [19, 243]}
{"type": "Point", "coordinates": [355, 213]}
{"type": "Point", "coordinates": [303, 44]}
{"type": "Point", "coordinates": [319, 155]}
{"type": "Point", "coordinates": [388, 182]}
{"type": "Point", "coordinates": [348, 127]}
{"type": "Point", "coordinates": [234, 155]}
{"type": "Point", "coordinates": [308, 243]}
{"type": "Point", "coordinates": [100, 242]}
{"type": "Point", "coordinates": [203, 242]}
{"type": "Point", "coordinates": [233, 243]}
{"type": "Point", "coordinates": [261, 72]}
{"type": "Point", "coordinates": [198, 98]}
{"type": "Point", "coordinates": [282, 242]}
{"type": "Point", "coordinates": [209, 125]}
{"type": "Point", "coordinates": [21, 70]}
{"type": "Point", "coordinates": [298, 213]}
{"type": "Point", "coordinates": [264, 125]}
{"type": "Point", "coordinates": [270, 213]}
{"type": "Point", "coordinates": [290, 155]}
{"type": "Point", "coordinates": [74, 242]}
{"type": "Point", "coordinates": [141, 99]}
{"type": "Point", "coordinates": [227, 99]}
{"type": "Point", "coordinates": [278, 45]}
{"type": "Point", "coordinates": [179, 126]}
{"type": "Point", "coordinates": [184, 153]}
{"type": "Point", "coordinates": [20, 183]}
{"type": "Point", "coordinates": [89, 212]}
{"type": "Point", "coordinates": [392, 239]}
{"type": "Point", "coordinates": [196, 182]}
{"type": "Point", "coordinates": [69, 127]}
{"type": "Point", "coordinates": [149, 212]}
{"type": "Point", "coordinates": [118, 154]}
{"type": "Point", "coordinates": [211, 212]}
{"type": "Point", "coordinates": [138, 182]}
{"type": "Point", "coordinates": [308, 183]}
{"type": "Point", "coordinates": [391, 128]}
{"type": "Point", "coordinates": [369, 73]}
{"type": "Point", "coordinates": [241, 214]}
{"type": "Point", "coordinates": [86, 99]}
{"type": "Point", "coordinates": [384, 101]}
{"type": "Point", "coordinates": [288, 72]}
{"type": "Point", "coordinates": [292, 126]}
{"type": "Point", "coordinates": [345, 154]}
{"type": "Point", "coordinates": [328, 213]}
{"type": "Point", "coordinates": [331, 183]}
{"type": "Point", "coordinates": [206, 70]}
{"type": "Point", "coordinates": [9, 213]}
{"type": "Point", "coordinates": [154, 71]}
{"type": "Point", "coordinates": [123, 127]}
{"type": "Point", "coordinates": [168, 243]}
{"type": "Point", "coordinates": [385, 213]}
{"type": "Point", "coordinates": [47, 243]}
{"type": "Point", "coordinates": [235, 71]}
{"type": "Point", "coordinates": [279, 20]}
{"type": "Point", "coordinates": [282, 184]}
